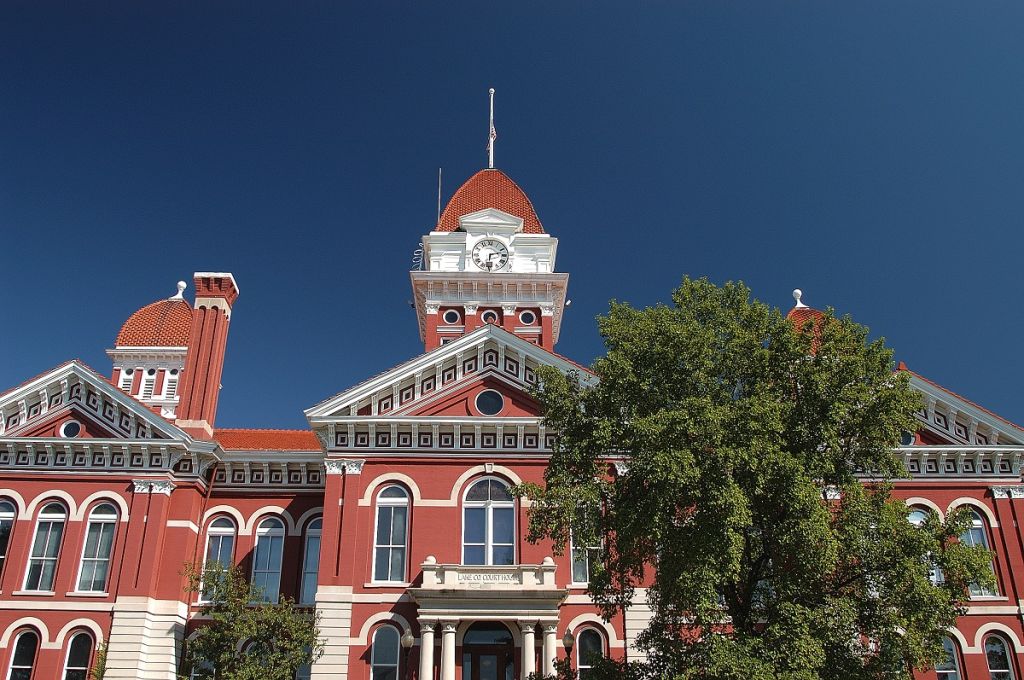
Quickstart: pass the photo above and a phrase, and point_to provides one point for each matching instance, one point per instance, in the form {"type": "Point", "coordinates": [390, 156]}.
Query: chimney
{"type": "Point", "coordinates": [200, 380]}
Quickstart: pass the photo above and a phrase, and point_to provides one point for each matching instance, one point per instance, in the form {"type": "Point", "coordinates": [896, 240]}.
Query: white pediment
{"type": "Point", "coordinates": [469, 346]}
{"type": "Point", "coordinates": [75, 384]}
{"type": "Point", "coordinates": [490, 221]}
{"type": "Point", "coordinates": [955, 410]}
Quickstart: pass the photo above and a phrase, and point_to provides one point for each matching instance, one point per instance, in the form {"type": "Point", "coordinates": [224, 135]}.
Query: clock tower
{"type": "Point", "coordinates": [489, 260]}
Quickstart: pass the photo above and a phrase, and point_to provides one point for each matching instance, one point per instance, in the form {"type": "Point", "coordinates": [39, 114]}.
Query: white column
{"type": "Point", "coordinates": [447, 650]}
{"type": "Point", "coordinates": [550, 630]}
{"type": "Point", "coordinates": [529, 648]}
{"type": "Point", "coordinates": [427, 650]}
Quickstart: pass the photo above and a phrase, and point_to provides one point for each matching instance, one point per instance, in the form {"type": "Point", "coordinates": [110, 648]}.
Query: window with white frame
{"type": "Point", "coordinates": [76, 666]}
{"type": "Point", "coordinates": [589, 648]}
{"type": "Point", "coordinates": [266, 564]}
{"type": "Point", "coordinates": [42, 561]}
{"type": "Point", "coordinates": [977, 535]}
{"type": "Point", "coordinates": [124, 382]}
{"type": "Point", "coordinates": [488, 523]}
{"type": "Point", "coordinates": [23, 660]}
{"type": "Point", "coordinates": [949, 667]}
{"type": "Point", "coordinates": [6, 527]}
{"type": "Point", "coordinates": [148, 383]}
{"type": "Point", "coordinates": [917, 517]}
{"type": "Point", "coordinates": [220, 546]}
{"type": "Point", "coordinates": [999, 665]}
{"type": "Point", "coordinates": [384, 654]}
{"type": "Point", "coordinates": [390, 534]}
{"type": "Point", "coordinates": [99, 543]}
{"type": "Point", "coordinates": [310, 562]}
{"type": "Point", "coordinates": [583, 560]}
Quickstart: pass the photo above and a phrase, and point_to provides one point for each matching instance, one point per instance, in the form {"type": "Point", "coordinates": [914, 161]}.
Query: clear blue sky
{"type": "Point", "coordinates": [871, 153]}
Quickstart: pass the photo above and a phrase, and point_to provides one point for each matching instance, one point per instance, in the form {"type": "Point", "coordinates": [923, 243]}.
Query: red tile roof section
{"type": "Point", "coordinates": [903, 367]}
{"type": "Point", "coordinates": [267, 440]}
{"type": "Point", "coordinates": [489, 189]}
{"type": "Point", "coordinates": [165, 323]}
{"type": "Point", "coordinates": [801, 315]}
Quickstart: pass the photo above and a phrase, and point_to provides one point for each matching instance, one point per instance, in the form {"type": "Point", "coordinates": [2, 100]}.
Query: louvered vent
{"type": "Point", "coordinates": [147, 387]}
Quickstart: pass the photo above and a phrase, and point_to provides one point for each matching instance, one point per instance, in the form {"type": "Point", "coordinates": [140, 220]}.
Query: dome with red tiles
{"type": "Point", "coordinates": [164, 323]}
{"type": "Point", "coordinates": [490, 189]}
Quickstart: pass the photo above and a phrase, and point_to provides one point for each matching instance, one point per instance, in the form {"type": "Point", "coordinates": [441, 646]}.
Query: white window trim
{"type": "Point", "coordinates": [94, 519]}
{"type": "Point", "coordinates": [957, 671]}
{"type": "Point", "coordinates": [35, 655]}
{"type": "Point", "coordinates": [7, 516]}
{"type": "Point", "coordinates": [216, 531]}
{"type": "Point", "coordinates": [978, 522]}
{"type": "Point", "coordinates": [67, 657]}
{"type": "Point", "coordinates": [262, 534]}
{"type": "Point", "coordinates": [169, 375]}
{"type": "Point", "coordinates": [579, 648]}
{"type": "Point", "coordinates": [572, 561]}
{"type": "Point", "coordinates": [489, 522]}
{"type": "Point", "coordinates": [391, 503]}
{"type": "Point", "coordinates": [398, 652]}
{"type": "Point", "coordinates": [46, 517]}
{"type": "Point", "coordinates": [1007, 655]}
{"type": "Point", "coordinates": [311, 532]}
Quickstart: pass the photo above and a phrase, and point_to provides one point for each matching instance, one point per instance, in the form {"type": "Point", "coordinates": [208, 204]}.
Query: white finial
{"type": "Point", "coordinates": [797, 294]}
{"type": "Point", "coordinates": [492, 134]}
{"type": "Point", "coordinates": [181, 290]}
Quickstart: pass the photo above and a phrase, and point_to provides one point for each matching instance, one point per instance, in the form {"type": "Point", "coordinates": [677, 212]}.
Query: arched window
{"type": "Point", "coordinates": [6, 525]}
{"type": "Point", "coordinates": [310, 562]}
{"type": "Point", "coordinates": [220, 546]}
{"type": "Point", "coordinates": [977, 535]}
{"type": "Point", "coordinates": [266, 564]}
{"type": "Point", "coordinates": [24, 658]}
{"type": "Point", "coordinates": [42, 561]}
{"type": "Point", "coordinates": [99, 542]}
{"type": "Point", "coordinates": [76, 667]}
{"type": "Point", "coordinates": [488, 524]}
{"type": "Point", "coordinates": [999, 667]}
{"type": "Point", "coordinates": [949, 669]}
{"type": "Point", "coordinates": [384, 654]}
{"type": "Point", "coordinates": [391, 534]}
{"type": "Point", "coordinates": [917, 517]}
{"type": "Point", "coordinates": [589, 648]}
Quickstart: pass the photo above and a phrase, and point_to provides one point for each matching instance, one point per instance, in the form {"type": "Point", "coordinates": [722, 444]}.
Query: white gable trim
{"type": "Point", "coordinates": [331, 406]}
{"type": "Point", "coordinates": [932, 392]}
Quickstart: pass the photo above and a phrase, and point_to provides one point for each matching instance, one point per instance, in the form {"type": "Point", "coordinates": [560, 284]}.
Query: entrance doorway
{"type": "Point", "coordinates": [488, 653]}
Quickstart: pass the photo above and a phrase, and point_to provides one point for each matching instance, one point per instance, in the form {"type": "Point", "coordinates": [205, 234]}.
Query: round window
{"type": "Point", "coordinates": [129, 371]}
{"type": "Point", "coordinates": [490, 316]}
{"type": "Point", "coordinates": [451, 317]}
{"type": "Point", "coordinates": [490, 402]}
{"type": "Point", "coordinates": [70, 429]}
{"type": "Point", "coordinates": [528, 318]}
{"type": "Point", "coordinates": [151, 371]}
{"type": "Point", "coordinates": [174, 371]}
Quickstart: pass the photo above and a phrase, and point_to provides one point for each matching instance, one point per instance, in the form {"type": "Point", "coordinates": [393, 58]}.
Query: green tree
{"type": "Point", "coordinates": [756, 505]}
{"type": "Point", "coordinates": [244, 638]}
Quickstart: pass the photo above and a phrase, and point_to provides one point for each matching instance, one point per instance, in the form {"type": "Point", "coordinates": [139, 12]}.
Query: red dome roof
{"type": "Point", "coordinates": [489, 189]}
{"type": "Point", "coordinates": [164, 323]}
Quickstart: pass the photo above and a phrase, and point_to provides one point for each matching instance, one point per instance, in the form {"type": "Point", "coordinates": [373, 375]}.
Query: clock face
{"type": "Point", "coordinates": [490, 254]}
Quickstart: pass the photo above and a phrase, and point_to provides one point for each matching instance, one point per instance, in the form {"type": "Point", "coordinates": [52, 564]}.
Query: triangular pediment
{"type": "Point", "coordinates": [491, 219]}
{"type": "Point", "coordinates": [488, 353]}
{"type": "Point", "coordinates": [949, 419]}
{"type": "Point", "coordinates": [75, 391]}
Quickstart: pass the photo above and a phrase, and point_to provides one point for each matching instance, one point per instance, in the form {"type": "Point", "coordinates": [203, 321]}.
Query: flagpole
{"type": "Point", "coordinates": [490, 134]}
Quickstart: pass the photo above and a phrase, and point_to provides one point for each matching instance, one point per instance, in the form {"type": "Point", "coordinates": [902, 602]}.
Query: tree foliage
{"type": "Point", "coordinates": [245, 638]}
{"type": "Point", "coordinates": [756, 510]}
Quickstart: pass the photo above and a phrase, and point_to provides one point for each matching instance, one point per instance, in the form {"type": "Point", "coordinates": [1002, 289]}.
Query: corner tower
{"type": "Point", "coordinates": [489, 260]}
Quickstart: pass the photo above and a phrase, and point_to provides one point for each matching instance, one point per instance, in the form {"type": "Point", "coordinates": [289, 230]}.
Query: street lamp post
{"type": "Point", "coordinates": [407, 642]}
{"type": "Point", "coordinates": [568, 641]}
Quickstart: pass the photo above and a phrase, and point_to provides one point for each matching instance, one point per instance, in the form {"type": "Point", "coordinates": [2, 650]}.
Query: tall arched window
{"type": "Point", "coordinates": [99, 543]}
{"type": "Point", "coordinates": [42, 561]}
{"type": "Point", "coordinates": [76, 667]}
{"type": "Point", "coordinates": [384, 654]}
{"type": "Point", "coordinates": [6, 525]}
{"type": "Point", "coordinates": [949, 669]}
{"type": "Point", "coordinates": [310, 563]}
{"type": "Point", "coordinates": [917, 517]}
{"type": "Point", "coordinates": [999, 665]}
{"type": "Point", "coordinates": [488, 524]}
{"type": "Point", "coordinates": [220, 546]}
{"type": "Point", "coordinates": [589, 648]}
{"type": "Point", "coordinates": [266, 564]}
{"type": "Point", "coordinates": [23, 660]}
{"type": "Point", "coordinates": [391, 534]}
{"type": "Point", "coordinates": [977, 535]}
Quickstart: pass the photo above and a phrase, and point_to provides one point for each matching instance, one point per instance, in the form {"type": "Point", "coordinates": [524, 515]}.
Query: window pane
{"type": "Point", "coordinates": [476, 522]}
{"type": "Point", "coordinates": [398, 526]}
{"type": "Point", "coordinates": [503, 555]}
{"type": "Point", "coordinates": [473, 554]}
{"type": "Point", "coordinates": [385, 646]}
{"type": "Point", "coordinates": [385, 673]}
{"type": "Point", "coordinates": [504, 521]}
{"type": "Point", "coordinates": [478, 492]}
{"type": "Point", "coordinates": [393, 492]}
{"type": "Point", "coordinates": [25, 652]}
{"type": "Point", "coordinates": [383, 524]}
{"type": "Point", "coordinates": [397, 564]}
{"type": "Point", "coordinates": [381, 564]}
{"type": "Point", "coordinates": [499, 492]}
{"type": "Point", "coordinates": [995, 652]}
{"type": "Point", "coordinates": [5, 535]}
{"type": "Point", "coordinates": [590, 644]}
{"type": "Point", "coordinates": [81, 649]}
